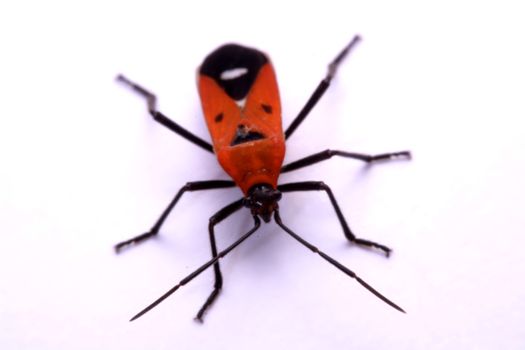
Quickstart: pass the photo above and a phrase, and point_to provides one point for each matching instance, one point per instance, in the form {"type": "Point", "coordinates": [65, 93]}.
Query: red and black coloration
{"type": "Point", "coordinates": [241, 104]}
{"type": "Point", "coordinates": [240, 101]}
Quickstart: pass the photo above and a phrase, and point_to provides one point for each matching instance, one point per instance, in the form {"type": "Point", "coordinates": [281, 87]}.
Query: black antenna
{"type": "Point", "coordinates": [335, 263]}
{"type": "Point", "coordinates": [199, 270]}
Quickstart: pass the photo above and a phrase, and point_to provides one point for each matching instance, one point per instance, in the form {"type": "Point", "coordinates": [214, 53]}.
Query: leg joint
{"type": "Point", "coordinates": [323, 186]}
{"type": "Point", "coordinates": [214, 220]}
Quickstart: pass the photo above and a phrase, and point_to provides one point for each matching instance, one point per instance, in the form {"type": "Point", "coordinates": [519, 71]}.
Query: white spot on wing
{"type": "Point", "coordinates": [234, 73]}
{"type": "Point", "coordinates": [241, 103]}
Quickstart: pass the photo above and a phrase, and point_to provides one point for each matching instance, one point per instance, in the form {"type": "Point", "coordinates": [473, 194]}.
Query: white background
{"type": "Point", "coordinates": [83, 166]}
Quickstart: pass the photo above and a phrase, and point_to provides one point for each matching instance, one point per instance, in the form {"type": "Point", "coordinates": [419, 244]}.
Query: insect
{"type": "Point", "coordinates": [241, 105]}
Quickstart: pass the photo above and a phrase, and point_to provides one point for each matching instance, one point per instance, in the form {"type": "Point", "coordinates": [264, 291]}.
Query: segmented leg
{"type": "Point", "coordinates": [190, 186]}
{"type": "Point", "coordinates": [321, 186]}
{"type": "Point", "coordinates": [321, 88]}
{"type": "Point", "coordinates": [151, 100]}
{"type": "Point", "coordinates": [327, 154]}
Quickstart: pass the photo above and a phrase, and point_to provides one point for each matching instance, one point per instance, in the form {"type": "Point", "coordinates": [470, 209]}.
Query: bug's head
{"type": "Point", "coordinates": [262, 201]}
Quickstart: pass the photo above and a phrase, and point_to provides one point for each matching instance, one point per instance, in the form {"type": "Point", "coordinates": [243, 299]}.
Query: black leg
{"type": "Point", "coordinates": [321, 186]}
{"type": "Point", "coordinates": [190, 186]}
{"type": "Point", "coordinates": [321, 88]}
{"type": "Point", "coordinates": [334, 262]}
{"type": "Point", "coordinates": [161, 118]}
{"type": "Point", "coordinates": [327, 154]}
{"type": "Point", "coordinates": [200, 269]}
{"type": "Point", "coordinates": [214, 220]}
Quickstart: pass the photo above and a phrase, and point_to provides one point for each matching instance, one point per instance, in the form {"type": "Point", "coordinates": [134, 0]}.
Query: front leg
{"type": "Point", "coordinates": [189, 187]}
{"type": "Point", "coordinates": [214, 220]}
{"type": "Point", "coordinates": [321, 186]}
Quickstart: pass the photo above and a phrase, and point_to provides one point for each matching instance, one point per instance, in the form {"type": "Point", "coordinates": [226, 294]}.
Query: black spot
{"type": "Point", "coordinates": [243, 135]}
{"type": "Point", "coordinates": [233, 56]}
{"type": "Point", "coordinates": [267, 108]}
{"type": "Point", "coordinates": [218, 118]}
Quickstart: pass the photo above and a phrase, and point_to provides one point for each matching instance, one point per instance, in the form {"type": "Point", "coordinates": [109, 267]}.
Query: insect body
{"type": "Point", "coordinates": [240, 101]}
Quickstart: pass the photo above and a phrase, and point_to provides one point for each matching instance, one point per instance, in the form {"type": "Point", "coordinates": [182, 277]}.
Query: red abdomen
{"type": "Point", "coordinates": [241, 104]}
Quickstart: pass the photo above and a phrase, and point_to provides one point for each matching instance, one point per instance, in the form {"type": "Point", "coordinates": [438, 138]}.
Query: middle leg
{"type": "Point", "coordinates": [327, 154]}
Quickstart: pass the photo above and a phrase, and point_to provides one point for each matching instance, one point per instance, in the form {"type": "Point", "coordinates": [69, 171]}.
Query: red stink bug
{"type": "Point", "coordinates": [240, 101]}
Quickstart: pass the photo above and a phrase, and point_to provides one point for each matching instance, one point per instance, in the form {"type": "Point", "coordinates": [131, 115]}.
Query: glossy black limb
{"type": "Point", "coordinates": [335, 263]}
{"type": "Point", "coordinates": [200, 269]}
{"type": "Point", "coordinates": [327, 154]}
{"type": "Point", "coordinates": [214, 220]}
{"type": "Point", "coordinates": [321, 88]}
{"type": "Point", "coordinates": [190, 186]}
{"type": "Point", "coordinates": [151, 100]}
{"type": "Point", "coordinates": [321, 186]}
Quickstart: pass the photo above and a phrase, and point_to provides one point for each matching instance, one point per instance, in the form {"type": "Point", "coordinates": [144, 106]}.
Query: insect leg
{"type": "Point", "coordinates": [190, 186]}
{"type": "Point", "coordinates": [335, 263]}
{"type": "Point", "coordinates": [201, 269]}
{"type": "Point", "coordinates": [214, 220]}
{"type": "Point", "coordinates": [321, 88]}
{"type": "Point", "coordinates": [321, 186]}
{"type": "Point", "coordinates": [327, 154]}
{"type": "Point", "coordinates": [151, 100]}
